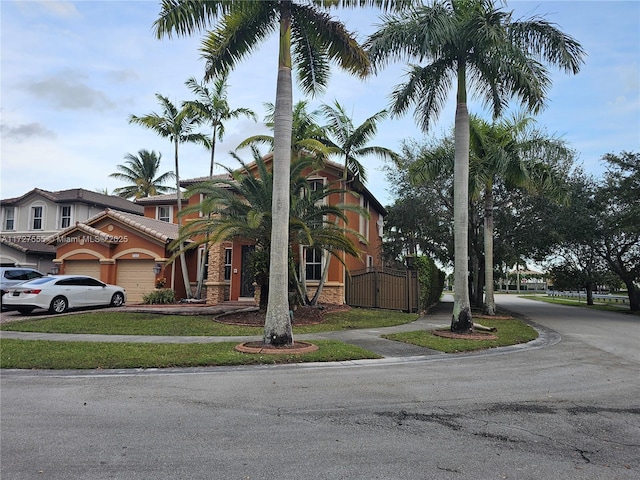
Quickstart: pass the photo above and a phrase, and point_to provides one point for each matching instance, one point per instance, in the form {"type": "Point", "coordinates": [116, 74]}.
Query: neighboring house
{"type": "Point", "coordinates": [228, 276]}
{"type": "Point", "coordinates": [121, 248]}
{"type": "Point", "coordinates": [31, 218]}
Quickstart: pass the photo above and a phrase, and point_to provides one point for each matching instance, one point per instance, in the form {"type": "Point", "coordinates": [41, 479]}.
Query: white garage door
{"type": "Point", "coordinates": [136, 277]}
{"type": "Point", "coordinates": [82, 267]}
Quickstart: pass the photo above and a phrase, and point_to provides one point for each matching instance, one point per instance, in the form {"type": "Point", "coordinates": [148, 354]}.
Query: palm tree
{"type": "Point", "coordinates": [474, 44]}
{"type": "Point", "coordinates": [308, 138]}
{"type": "Point", "coordinates": [509, 153]}
{"type": "Point", "coordinates": [350, 142]}
{"type": "Point", "coordinates": [519, 156]}
{"type": "Point", "coordinates": [177, 125]}
{"type": "Point", "coordinates": [213, 108]}
{"type": "Point", "coordinates": [316, 39]}
{"type": "Point", "coordinates": [142, 172]}
{"type": "Point", "coordinates": [240, 207]}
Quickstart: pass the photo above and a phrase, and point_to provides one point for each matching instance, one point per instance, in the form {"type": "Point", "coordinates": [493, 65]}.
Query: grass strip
{"type": "Point", "coordinates": [509, 332]}
{"type": "Point", "coordinates": [602, 306]}
{"type": "Point", "coordinates": [54, 355]}
{"type": "Point", "coordinates": [122, 323]}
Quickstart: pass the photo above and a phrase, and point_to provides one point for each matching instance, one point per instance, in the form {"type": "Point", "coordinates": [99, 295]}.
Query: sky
{"type": "Point", "coordinates": [72, 72]}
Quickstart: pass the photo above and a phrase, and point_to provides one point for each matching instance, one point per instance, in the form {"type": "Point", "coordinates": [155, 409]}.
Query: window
{"type": "Point", "coordinates": [364, 219]}
{"type": "Point", "coordinates": [164, 214]}
{"type": "Point", "coordinates": [317, 185]}
{"type": "Point", "coordinates": [369, 262]}
{"type": "Point", "coordinates": [65, 216]}
{"type": "Point", "coordinates": [227, 264]}
{"type": "Point", "coordinates": [36, 218]}
{"type": "Point", "coordinates": [313, 263]}
{"type": "Point", "coordinates": [21, 275]}
{"type": "Point", "coordinates": [9, 218]}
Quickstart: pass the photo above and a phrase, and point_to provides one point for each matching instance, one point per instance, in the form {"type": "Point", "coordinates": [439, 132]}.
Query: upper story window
{"type": "Point", "coordinates": [9, 218]}
{"type": "Point", "coordinates": [201, 213]}
{"type": "Point", "coordinates": [164, 214]}
{"type": "Point", "coordinates": [227, 263]}
{"type": "Point", "coordinates": [317, 185]}
{"type": "Point", "coordinates": [65, 216]}
{"type": "Point", "coordinates": [364, 219]}
{"type": "Point", "coordinates": [37, 217]}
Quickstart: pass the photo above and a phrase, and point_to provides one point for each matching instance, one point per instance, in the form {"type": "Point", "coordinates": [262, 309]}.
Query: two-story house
{"type": "Point", "coordinates": [128, 244]}
{"type": "Point", "coordinates": [228, 276]}
{"type": "Point", "coordinates": [38, 214]}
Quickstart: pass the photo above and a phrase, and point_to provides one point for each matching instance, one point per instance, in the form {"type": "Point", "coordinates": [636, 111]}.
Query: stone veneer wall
{"type": "Point", "coordinates": [332, 293]}
{"type": "Point", "coordinates": [215, 279]}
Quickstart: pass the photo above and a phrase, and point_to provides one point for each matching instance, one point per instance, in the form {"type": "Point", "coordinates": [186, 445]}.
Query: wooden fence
{"type": "Point", "coordinates": [377, 288]}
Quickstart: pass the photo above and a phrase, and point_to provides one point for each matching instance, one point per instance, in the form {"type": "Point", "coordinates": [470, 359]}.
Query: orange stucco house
{"type": "Point", "coordinates": [228, 276]}
{"type": "Point", "coordinates": [133, 250]}
{"type": "Point", "coordinates": [122, 248]}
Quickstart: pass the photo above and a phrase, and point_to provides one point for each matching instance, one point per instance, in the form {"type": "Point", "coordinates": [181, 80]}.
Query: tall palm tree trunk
{"type": "Point", "coordinates": [461, 321]}
{"type": "Point", "coordinates": [213, 149]}
{"type": "Point", "coordinates": [277, 328]}
{"type": "Point", "coordinates": [489, 299]}
{"type": "Point", "coordinates": [183, 261]}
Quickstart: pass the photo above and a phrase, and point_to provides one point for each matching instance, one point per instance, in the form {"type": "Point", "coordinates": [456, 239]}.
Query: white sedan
{"type": "Point", "coordinates": [57, 293]}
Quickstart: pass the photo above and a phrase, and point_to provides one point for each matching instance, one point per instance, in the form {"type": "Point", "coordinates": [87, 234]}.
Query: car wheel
{"type": "Point", "coordinates": [25, 310]}
{"type": "Point", "coordinates": [117, 300]}
{"type": "Point", "coordinates": [58, 305]}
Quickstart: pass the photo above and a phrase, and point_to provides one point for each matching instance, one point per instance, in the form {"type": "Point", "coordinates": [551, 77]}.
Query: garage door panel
{"type": "Point", "coordinates": [82, 267]}
{"type": "Point", "coordinates": [136, 277]}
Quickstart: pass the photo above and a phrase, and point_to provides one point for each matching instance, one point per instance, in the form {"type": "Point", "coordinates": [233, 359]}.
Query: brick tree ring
{"type": "Point", "coordinates": [464, 336]}
{"type": "Point", "coordinates": [261, 348]}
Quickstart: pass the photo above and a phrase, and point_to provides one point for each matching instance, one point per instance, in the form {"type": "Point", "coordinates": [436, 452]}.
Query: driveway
{"type": "Point", "coordinates": [568, 410]}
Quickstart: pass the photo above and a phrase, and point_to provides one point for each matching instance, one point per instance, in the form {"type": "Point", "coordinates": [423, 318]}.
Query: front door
{"type": "Point", "coordinates": [246, 276]}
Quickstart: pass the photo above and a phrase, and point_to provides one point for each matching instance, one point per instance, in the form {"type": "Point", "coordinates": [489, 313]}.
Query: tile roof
{"type": "Point", "coordinates": [328, 165]}
{"type": "Point", "coordinates": [163, 231]}
{"type": "Point", "coordinates": [80, 195]}
{"type": "Point", "coordinates": [29, 247]}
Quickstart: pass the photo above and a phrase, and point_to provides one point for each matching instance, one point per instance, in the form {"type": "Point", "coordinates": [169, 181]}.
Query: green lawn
{"type": "Point", "coordinates": [122, 323]}
{"type": "Point", "coordinates": [41, 354]}
{"type": "Point", "coordinates": [83, 355]}
{"type": "Point", "coordinates": [582, 302]}
{"type": "Point", "coordinates": [509, 332]}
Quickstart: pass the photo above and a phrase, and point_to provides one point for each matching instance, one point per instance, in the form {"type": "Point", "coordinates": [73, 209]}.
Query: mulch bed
{"type": "Point", "coordinates": [305, 315]}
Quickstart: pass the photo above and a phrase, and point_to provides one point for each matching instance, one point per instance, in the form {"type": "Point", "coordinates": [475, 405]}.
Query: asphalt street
{"type": "Point", "coordinates": [564, 407]}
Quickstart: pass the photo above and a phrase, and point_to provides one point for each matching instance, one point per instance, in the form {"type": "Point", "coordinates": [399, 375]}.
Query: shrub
{"type": "Point", "coordinates": [159, 296]}
{"type": "Point", "coordinates": [431, 281]}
